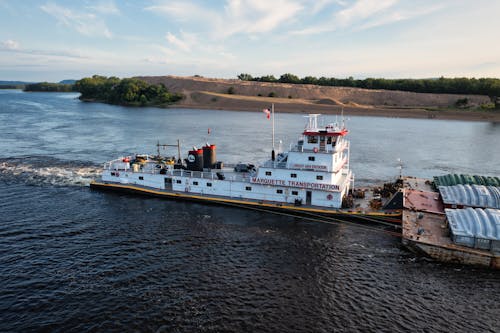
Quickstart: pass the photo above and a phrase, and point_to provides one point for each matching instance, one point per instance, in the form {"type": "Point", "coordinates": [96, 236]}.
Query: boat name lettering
{"type": "Point", "coordinates": [315, 186]}
{"type": "Point", "coordinates": [268, 181]}
{"type": "Point", "coordinates": [309, 166]}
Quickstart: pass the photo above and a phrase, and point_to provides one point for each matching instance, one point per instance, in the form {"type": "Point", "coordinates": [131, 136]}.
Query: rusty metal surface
{"type": "Point", "coordinates": [423, 201]}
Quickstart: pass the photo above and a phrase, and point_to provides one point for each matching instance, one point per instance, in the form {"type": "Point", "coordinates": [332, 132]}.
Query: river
{"type": "Point", "coordinates": [73, 259]}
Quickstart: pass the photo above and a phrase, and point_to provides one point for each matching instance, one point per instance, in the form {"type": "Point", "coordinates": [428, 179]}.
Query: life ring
{"type": "Point", "coordinates": [315, 149]}
{"type": "Point", "coordinates": [329, 197]}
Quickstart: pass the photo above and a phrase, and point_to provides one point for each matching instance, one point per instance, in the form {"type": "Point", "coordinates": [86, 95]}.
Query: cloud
{"type": "Point", "coordinates": [399, 15]}
{"type": "Point", "coordinates": [359, 11]}
{"type": "Point", "coordinates": [105, 7]}
{"type": "Point", "coordinates": [10, 44]}
{"type": "Point", "coordinates": [86, 24]}
{"type": "Point", "coordinates": [182, 10]}
{"type": "Point", "coordinates": [238, 16]}
{"type": "Point", "coordinates": [13, 47]}
{"type": "Point", "coordinates": [178, 43]}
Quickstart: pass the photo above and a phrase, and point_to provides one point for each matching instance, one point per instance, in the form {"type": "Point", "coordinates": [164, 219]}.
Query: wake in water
{"type": "Point", "coordinates": [44, 170]}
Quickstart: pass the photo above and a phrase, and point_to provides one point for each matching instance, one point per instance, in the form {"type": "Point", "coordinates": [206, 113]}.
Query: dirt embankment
{"type": "Point", "coordinates": [207, 93]}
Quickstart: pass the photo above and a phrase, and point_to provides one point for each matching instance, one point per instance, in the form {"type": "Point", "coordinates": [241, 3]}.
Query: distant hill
{"type": "Point", "coordinates": [13, 83]}
{"type": "Point", "coordinates": [245, 95]}
{"type": "Point", "coordinates": [67, 81]}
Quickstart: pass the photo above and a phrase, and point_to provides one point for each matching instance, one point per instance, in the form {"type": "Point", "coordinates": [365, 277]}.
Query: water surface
{"type": "Point", "coordinates": [73, 259]}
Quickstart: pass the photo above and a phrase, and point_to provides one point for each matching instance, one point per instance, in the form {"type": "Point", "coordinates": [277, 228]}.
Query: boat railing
{"type": "Point", "coordinates": [232, 176]}
{"type": "Point", "coordinates": [274, 164]}
{"type": "Point", "coordinates": [323, 149]}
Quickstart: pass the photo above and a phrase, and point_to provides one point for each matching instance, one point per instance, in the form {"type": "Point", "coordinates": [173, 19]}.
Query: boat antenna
{"type": "Point", "coordinates": [400, 168]}
{"type": "Point", "coordinates": [273, 155]}
{"type": "Point", "coordinates": [343, 120]}
{"type": "Point", "coordinates": [178, 145]}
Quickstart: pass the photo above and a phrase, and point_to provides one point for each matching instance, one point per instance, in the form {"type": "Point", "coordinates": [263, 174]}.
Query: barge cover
{"type": "Point", "coordinates": [477, 228]}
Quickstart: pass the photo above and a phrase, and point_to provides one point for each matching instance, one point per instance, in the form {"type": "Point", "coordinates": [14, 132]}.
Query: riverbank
{"type": "Point", "coordinates": [208, 100]}
{"type": "Point", "coordinates": [224, 94]}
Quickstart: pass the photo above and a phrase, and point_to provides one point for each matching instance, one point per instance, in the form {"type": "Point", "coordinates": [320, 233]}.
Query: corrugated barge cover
{"type": "Point", "coordinates": [471, 195]}
{"type": "Point", "coordinates": [475, 227]}
{"type": "Point", "coordinates": [456, 179]}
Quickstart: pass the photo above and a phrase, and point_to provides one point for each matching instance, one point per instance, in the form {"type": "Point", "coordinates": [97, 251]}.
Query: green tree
{"type": "Point", "coordinates": [245, 77]}
{"type": "Point", "coordinates": [289, 78]}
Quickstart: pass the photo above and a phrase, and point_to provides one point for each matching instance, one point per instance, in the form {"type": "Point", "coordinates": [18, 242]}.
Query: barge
{"type": "Point", "coordinates": [463, 229]}
{"type": "Point", "coordinates": [312, 178]}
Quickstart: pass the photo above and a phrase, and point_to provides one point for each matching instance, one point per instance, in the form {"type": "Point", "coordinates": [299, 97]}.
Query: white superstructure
{"type": "Point", "coordinates": [315, 172]}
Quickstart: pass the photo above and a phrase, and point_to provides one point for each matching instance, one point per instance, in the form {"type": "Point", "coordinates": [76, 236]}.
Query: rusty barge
{"type": "Point", "coordinates": [455, 224]}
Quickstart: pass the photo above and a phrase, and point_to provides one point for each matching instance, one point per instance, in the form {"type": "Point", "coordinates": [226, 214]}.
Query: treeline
{"type": "Point", "coordinates": [11, 86]}
{"type": "Point", "coordinates": [442, 85]}
{"type": "Point", "coordinates": [129, 91]}
{"type": "Point", "coordinates": [48, 87]}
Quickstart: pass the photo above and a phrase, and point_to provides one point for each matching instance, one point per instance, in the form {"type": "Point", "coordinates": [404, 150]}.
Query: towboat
{"type": "Point", "coordinates": [312, 178]}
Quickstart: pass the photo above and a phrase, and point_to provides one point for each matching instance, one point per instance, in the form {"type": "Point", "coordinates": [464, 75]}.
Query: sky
{"type": "Point", "coordinates": [56, 40]}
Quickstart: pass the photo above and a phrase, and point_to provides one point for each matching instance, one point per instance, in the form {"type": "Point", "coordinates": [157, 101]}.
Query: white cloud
{"type": "Point", "coordinates": [10, 44]}
{"type": "Point", "coordinates": [105, 7]}
{"type": "Point", "coordinates": [362, 9]}
{"type": "Point", "coordinates": [399, 15]}
{"type": "Point", "coordinates": [238, 16]}
{"type": "Point", "coordinates": [357, 13]}
{"type": "Point", "coordinates": [85, 23]}
{"type": "Point", "coordinates": [178, 43]}
{"type": "Point", "coordinates": [182, 11]}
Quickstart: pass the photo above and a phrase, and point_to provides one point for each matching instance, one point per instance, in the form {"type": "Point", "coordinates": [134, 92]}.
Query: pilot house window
{"type": "Point", "coordinates": [293, 175]}
{"type": "Point", "coordinates": [295, 193]}
{"type": "Point", "coordinates": [311, 158]}
{"type": "Point", "coordinates": [319, 177]}
{"type": "Point", "coordinates": [268, 173]}
{"type": "Point", "coordinates": [312, 139]}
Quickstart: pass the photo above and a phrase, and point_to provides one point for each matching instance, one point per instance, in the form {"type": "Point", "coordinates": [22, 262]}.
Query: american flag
{"type": "Point", "coordinates": [268, 113]}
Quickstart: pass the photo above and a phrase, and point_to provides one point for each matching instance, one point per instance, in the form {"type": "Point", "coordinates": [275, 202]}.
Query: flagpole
{"type": "Point", "coordinates": [272, 115]}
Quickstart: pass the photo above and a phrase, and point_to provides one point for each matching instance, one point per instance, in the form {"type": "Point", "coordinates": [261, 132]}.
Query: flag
{"type": "Point", "coordinates": [268, 113]}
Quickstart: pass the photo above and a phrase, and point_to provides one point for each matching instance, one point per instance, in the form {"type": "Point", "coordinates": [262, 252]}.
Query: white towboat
{"type": "Point", "coordinates": [314, 176]}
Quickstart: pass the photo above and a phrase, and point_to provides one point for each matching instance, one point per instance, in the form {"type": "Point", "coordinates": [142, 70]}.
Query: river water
{"type": "Point", "coordinates": [73, 259]}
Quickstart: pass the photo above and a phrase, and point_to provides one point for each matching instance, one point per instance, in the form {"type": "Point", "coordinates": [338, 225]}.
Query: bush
{"type": "Point", "coordinates": [272, 94]}
{"type": "Point", "coordinates": [230, 91]}
{"type": "Point", "coordinates": [128, 91]}
{"type": "Point", "coordinates": [462, 102]}
{"type": "Point", "coordinates": [487, 106]}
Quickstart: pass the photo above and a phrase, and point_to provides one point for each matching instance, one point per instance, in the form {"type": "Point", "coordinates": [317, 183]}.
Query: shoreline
{"type": "Point", "coordinates": [213, 101]}
{"type": "Point", "coordinates": [250, 104]}
{"type": "Point", "coordinates": [375, 112]}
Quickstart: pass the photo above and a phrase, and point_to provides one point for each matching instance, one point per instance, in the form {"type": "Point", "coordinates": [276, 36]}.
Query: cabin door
{"type": "Point", "coordinates": [308, 197]}
{"type": "Point", "coordinates": [322, 143]}
{"type": "Point", "coordinates": [168, 183]}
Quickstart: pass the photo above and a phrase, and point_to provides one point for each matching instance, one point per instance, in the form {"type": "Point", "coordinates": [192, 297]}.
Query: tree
{"type": "Point", "coordinates": [245, 77]}
{"type": "Point", "coordinates": [289, 78]}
